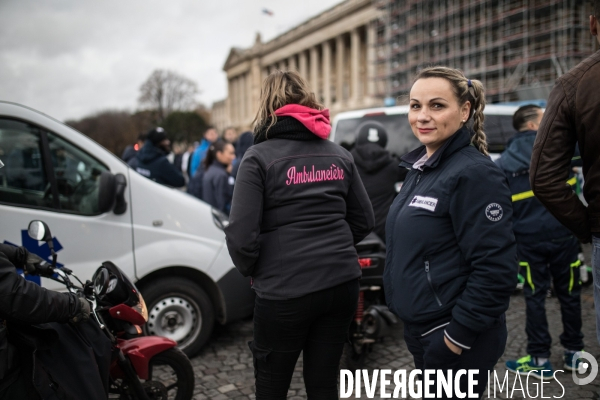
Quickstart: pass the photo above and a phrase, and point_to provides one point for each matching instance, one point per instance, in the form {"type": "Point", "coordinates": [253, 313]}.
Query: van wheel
{"type": "Point", "coordinates": [179, 310]}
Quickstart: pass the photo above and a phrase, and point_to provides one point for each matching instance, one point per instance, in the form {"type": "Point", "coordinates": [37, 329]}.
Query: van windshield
{"type": "Point", "coordinates": [401, 140]}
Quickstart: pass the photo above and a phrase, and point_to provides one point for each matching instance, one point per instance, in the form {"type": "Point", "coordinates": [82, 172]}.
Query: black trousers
{"type": "Point", "coordinates": [541, 262]}
{"type": "Point", "coordinates": [317, 324]}
{"type": "Point", "coordinates": [483, 355]}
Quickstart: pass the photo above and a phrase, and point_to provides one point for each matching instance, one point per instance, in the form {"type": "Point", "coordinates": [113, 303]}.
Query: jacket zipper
{"type": "Point", "coordinates": [419, 177]}
{"type": "Point", "coordinates": [430, 283]}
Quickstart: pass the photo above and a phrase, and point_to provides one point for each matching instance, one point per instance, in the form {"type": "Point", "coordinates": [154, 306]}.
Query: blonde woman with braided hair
{"type": "Point", "coordinates": [451, 256]}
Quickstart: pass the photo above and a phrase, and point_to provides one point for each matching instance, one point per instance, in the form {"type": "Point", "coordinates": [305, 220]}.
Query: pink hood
{"type": "Point", "coordinates": [316, 121]}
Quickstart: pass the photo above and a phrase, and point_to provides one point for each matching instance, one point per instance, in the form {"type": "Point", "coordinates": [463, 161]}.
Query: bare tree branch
{"type": "Point", "coordinates": [167, 91]}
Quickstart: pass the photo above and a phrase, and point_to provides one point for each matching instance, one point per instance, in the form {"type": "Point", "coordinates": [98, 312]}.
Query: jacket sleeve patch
{"type": "Point", "coordinates": [428, 203]}
{"type": "Point", "coordinates": [494, 212]}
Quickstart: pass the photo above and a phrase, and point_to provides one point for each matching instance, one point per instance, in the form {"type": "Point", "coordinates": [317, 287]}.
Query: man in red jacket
{"type": "Point", "coordinates": [573, 116]}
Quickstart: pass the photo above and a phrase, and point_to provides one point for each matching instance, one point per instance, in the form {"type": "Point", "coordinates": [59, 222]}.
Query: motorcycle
{"type": "Point", "coordinates": [372, 320]}
{"type": "Point", "coordinates": [142, 367]}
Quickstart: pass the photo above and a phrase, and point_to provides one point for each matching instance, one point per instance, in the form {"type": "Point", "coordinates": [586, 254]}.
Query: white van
{"type": "Point", "coordinates": [171, 243]}
{"type": "Point", "coordinates": [497, 125]}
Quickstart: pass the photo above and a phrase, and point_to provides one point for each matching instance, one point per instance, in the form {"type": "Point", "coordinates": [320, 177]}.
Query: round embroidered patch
{"type": "Point", "coordinates": [494, 212]}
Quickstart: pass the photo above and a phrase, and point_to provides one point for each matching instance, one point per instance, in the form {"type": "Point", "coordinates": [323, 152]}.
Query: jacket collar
{"type": "Point", "coordinates": [520, 135]}
{"type": "Point", "coordinates": [459, 140]}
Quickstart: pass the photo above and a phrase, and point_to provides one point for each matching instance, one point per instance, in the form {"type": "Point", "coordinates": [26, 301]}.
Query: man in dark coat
{"type": "Point", "coordinates": [572, 119]}
{"type": "Point", "coordinates": [152, 160]}
{"type": "Point", "coordinates": [378, 170]}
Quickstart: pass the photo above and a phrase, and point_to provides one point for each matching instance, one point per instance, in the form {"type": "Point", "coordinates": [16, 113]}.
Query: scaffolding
{"type": "Point", "coordinates": [517, 48]}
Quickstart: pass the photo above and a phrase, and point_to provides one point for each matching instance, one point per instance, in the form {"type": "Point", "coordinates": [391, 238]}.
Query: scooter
{"type": "Point", "coordinates": [118, 308]}
{"type": "Point", "coordinates": [372, 320]}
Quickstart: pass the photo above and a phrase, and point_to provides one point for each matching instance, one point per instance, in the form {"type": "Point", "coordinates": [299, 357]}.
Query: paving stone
{"type": "Point", "coordinates": [225, 363]}
{"type": "Point", "coordinates": [226, 388]}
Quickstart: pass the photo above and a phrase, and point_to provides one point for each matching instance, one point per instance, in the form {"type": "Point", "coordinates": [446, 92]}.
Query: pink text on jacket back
{"type": "Point", "coordinates": [334, 173]}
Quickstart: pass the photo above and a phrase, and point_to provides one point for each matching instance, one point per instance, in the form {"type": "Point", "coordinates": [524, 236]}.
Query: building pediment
{"type": "Point", "coordinates": [236, 55]}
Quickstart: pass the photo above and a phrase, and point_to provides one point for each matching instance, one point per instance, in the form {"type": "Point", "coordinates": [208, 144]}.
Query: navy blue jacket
{"type": "Point", "coordinates": [532, 222]}
{"type": "Point", "coordinates": [153, 164]}
{"type": "Point", "coordinates": [194, 186]}
{"type": "Point", "coordinates": [451, 254]}
{"type": "Point", "coordinates": [217, 187]}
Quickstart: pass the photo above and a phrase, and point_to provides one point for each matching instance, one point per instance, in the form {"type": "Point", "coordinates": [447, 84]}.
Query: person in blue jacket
{"type": "Point", "coordinates": [546, 249]}
{"type": "Point", "coordinates": [152, 160]}
{"type": "Point", "coordinates": [451, 262]}
{"type": "Point", "coordinates": [217, 182]}
{"type": "Point", "coordinates": [209, 137]}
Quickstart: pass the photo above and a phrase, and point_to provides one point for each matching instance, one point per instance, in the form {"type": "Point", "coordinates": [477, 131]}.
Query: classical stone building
{"type": "Point", "coordinates": [218, 115]}
{"type": "Point", "coordinates": [334, 51]}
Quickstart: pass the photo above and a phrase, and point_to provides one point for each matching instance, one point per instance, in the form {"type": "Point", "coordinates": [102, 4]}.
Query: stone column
{"type": "Point", "coordinates": [314, 71]}
{"type": "Point", "coordinates": [354, 65]}
{"type": "Point", "coordinates": [292, 63]}
{"type": "Point", "coordinates": [242, 96]}
{"type": "Point", "coordinates": [239, 101]}
{"type": "Point", "coordinates": [249, 97]}
{"type": "Point", "coordinates": [229, 101]}
{"type": "Point", "coordinates": [340, 65]}
{"type": "Point", "coordinates": [242, 84]}
{"type": "Point", "coordinates": [371, 72]}
{"type": "Point", "coordinates": [327, 73]}
{"type": "Point", "coordinates": [302, 64]}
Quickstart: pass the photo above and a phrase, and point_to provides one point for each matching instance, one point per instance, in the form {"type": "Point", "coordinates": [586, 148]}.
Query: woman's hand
{"type": "Point", "coordinates": [455, 349]}
{"type": "Point", "coordinates": [439, 354]}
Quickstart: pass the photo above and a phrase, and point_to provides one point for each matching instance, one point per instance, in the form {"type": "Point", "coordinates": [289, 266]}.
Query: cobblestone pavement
{"type": "Point", "coordinates": [224, 367]}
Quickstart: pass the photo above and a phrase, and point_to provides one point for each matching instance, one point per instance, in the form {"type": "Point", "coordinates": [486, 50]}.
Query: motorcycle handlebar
{"type": "Point", "coordinates": [42, 269]}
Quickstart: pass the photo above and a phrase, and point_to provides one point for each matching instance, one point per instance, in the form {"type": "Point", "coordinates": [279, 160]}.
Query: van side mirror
{"type": "Point", "coordinates": [39, 231]}
{"type": "Point", "coordinates": [106, 192]}
{"type": "Point", "coordinates": [120, 202]}
{"type": "Point", "coordinates": [111, 193]}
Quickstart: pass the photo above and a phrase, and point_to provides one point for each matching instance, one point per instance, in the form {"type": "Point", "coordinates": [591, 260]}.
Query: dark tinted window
{"type": "Point", "coordinates": [23, 177]}
{"type": "Point", "coordinates": [400, 137]}
{"type": "Point", "coordinates": [77, 176]}
{"type": "Point", "coordinates": [498, 129]}
{"type": "Point", "coordinates": [401, 140]}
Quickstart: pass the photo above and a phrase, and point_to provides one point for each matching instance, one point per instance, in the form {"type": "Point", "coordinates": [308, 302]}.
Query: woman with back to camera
{"type": "Point", "coordinates": [217, 182]}
{"type": "Point", "coordinates": [451, 256]}
{"type": "Point", "coordinates": [298, 208]}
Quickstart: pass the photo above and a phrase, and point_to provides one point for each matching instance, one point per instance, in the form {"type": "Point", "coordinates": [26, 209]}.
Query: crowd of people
{"type": "Point", "coordinates": [206, 169]}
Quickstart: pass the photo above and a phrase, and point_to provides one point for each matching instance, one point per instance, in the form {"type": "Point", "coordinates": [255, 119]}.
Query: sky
{"type": "Point", "coordinates": [73, 58]}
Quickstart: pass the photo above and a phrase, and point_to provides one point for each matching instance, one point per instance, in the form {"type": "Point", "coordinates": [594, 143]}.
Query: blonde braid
{"type": "Point", "coordinates": [479, 139]}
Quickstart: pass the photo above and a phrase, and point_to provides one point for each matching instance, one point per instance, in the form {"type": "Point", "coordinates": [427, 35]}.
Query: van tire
{"type": "Point", "coordinates": [180, 310]}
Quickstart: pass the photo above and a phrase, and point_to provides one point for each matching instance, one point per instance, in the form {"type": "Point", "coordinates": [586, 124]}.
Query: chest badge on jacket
{"type": "Point", "coordinates": [428, 203]}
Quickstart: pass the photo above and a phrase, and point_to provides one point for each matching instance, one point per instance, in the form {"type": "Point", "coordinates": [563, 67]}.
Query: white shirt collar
{"type": "Point", "coordinates": [419, 164]}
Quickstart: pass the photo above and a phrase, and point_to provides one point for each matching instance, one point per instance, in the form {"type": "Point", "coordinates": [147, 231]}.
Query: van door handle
{"type": "Point", "coordinates": [157, 223]}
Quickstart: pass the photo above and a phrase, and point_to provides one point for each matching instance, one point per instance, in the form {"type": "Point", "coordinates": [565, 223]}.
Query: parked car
{"type": "Point", "coordinates": [100, 209]}
{"type": "Point", "coordinates": [498, 127]}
